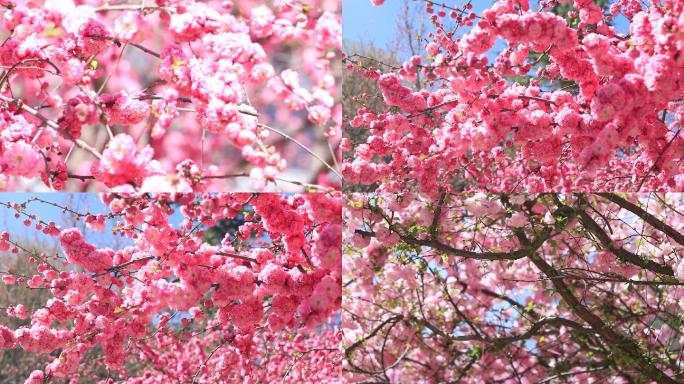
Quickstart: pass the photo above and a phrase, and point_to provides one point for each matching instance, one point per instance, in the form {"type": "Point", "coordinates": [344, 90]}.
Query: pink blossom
{"type": "Point", "coordinates": [517, 220]}
{"type": "Point", "coordinates": [326, 252]}
{"type": "Point", "coordinates": [123, 163]}
{"type": "Point", "coordinates": [8, 279]}
{"type": "Point", "coordinates": [102, 299]}
{"type": "Point", "coordinates": [126, 110]}
{"type": "Point", "coordinates": [80, 74]}
{"type": "Point", "coordinates": [21, 159]}
{"type": "Point", "coordinates": [7, 339]}
{"type": "Point", "coordinates": [18, 311]}
{"type": "Point", "coordinates": [84, 254]}
{"type": "Point", "coordinates": [91, 39]}
{"type": "Point", "coordinates": [36, 377]}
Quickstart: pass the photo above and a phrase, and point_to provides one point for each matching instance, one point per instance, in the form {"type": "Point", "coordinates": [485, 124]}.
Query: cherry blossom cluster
{"type": "Point", "coordinates": [171, 96]}
{"type": "Point", "coordinates": [477, 287]}
{"type": "Point", "coordinates": [291, 357]}
{"type": "Point", "coordinates": [262, 305]}
{"type": "Point", "coordinates": [572, 102]}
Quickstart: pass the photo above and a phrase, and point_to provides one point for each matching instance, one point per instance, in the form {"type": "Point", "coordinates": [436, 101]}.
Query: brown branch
{"type": "Point", "coordinates": [660, 156]}
{"type": "Point", "coordinates": [301, 354]}
{"type": "Point", "coordinates": [350, 58]}
{"type": "Point", "coordinates": [438, 213]}
{"type": "Point", "coordinates": [245, 258]}
{"type": "Point", "coordinates": [131, 7]}
{"type": "Point", "coordinates": [432, 243]}
{"type": "Point", "coordinates": [556, 321]}
{"type": "Point", "coordinates": [621, 253]}
{"type": "Point", "coordinates": [80, 143]}
{"type": "Point", "coordinates": [542, 100]}
{"type": "Point", "coordinates": [460, 313]}
{"type": "Point", "coordinates": [312, 153]}
{"type": "Point", "coordinates": [225, 176]}
{"type": "Point", "coordinates": [644, 215]}
{"type": "Point", "coordinates": [126, 264]}
{"type": "Point", "coordinates": [118, 43]}
{"type": "Point", "coordinates": [350, 350]}
{"type": "Point", "coordinates": [463, 253]}
{"type": "Point", "coordinates": [623, 345]}
{"type": "Point", "coordinates": [241, 110]}
{"type": "Point", "coordinates": [80, 177]}
{"type": "Point", "coordinates": [18, 65]}
{"type": "Point", "coordinates": [430, 109]}
{"type": "Point", "coordinates": [204, 363]}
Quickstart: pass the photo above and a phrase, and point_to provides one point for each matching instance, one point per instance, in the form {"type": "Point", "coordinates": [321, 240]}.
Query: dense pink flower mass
{"type": "Point", "coordinates": [567, 100]}
{"type": "Point", "coordinates": [260, 304]}
{"type": "Point", "coordinates": [100, 96]}
{"type": "Point", "coordinates": [514, 288]}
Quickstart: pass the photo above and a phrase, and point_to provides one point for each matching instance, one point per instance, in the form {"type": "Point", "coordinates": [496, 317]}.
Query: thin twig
{"type": "Point", "coordinates": [194, 378]}
{"type": "Point", "coordinates": [246, 258]}
{"type": "Point", "coordinates": [299, 356]}
{"type": "Point", "coordinates": [131, 7]}
{"type": "Point", "coordinates": [117, 42]}
{"type": "Point", "coordinates": [660, 156]}
{"type": "Point", "coordinates": [312, 153]}
{"type": "Point", "coordinates": [81, 144]}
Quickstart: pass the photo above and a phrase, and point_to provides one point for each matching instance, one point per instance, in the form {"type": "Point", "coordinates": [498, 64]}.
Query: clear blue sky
{"type": "Point", "coordinates": [79, 202]}
{"type": "Point", "coordinates": [364, 22]}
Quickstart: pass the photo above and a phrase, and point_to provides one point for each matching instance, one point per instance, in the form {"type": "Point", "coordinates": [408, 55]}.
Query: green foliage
{"type": "Point", "coordinates": [522, 80]}
{"type": "Point", "coordinates": [215, 234]}
{"type": "Point", "coordinates": [475, 352]}
{"type": "Point", "coordinates": [562, 10]}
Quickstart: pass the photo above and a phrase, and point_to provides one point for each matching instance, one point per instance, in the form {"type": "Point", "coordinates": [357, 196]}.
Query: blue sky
{"type": "Point", "coordinates": [364, 22]}
{"type": "Point", "coordinates": [79, 202]}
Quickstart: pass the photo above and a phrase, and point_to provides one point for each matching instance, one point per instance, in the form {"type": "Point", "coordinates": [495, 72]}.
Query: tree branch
{"type": "Point", "coordinates": [80, 143]}
{"type": "Point", "coordinates": [644, 215]}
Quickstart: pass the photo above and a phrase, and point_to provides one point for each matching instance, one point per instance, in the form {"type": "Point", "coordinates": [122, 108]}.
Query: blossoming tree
{"type": "Point", "coordinates": [260, 306]}
{"type": "Point", "coordinates": [564, 95]}
{"type": "Point", "coordinates": [473, 288]}
{"type": "Point", "coordinates": [171, 95]}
